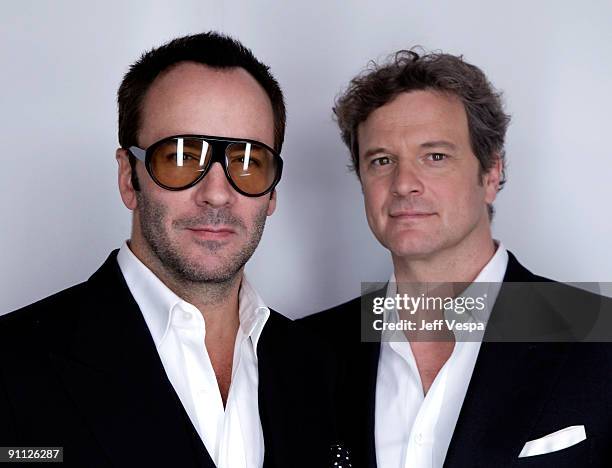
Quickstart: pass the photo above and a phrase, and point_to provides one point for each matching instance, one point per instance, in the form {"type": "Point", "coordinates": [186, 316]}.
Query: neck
{"type": "Point", "coordinates": [458, 264]}
{"type": "Point", "coordinates": [216, 301]}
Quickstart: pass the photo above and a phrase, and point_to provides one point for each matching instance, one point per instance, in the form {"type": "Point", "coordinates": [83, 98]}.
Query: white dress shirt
{"type": "Point", "coordinates": [413, 430]}
{"type": "Point", "coordinates": [233, 436]}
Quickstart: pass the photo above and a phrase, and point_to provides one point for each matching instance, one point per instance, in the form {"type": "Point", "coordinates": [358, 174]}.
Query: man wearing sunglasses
{"type": "Point", "coordinates": [167, 356]}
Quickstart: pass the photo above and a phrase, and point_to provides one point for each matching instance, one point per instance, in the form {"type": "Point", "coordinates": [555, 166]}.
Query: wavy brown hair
{"type": "Point", "coordinates": [408, 71]}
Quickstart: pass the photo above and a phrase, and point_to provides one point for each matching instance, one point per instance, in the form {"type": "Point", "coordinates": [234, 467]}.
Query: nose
{"type": "Point", "coordinates": [214, 189]}
{"type": "Point", "coordinates": [406, 181]}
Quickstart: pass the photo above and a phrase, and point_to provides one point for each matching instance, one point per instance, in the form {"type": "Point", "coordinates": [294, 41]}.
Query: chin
{"type": "Point", "coordinates": [413, 249]}
{"type": "Point", "coordinates": [208, 263]}
{"type": "Point", "coordinates": [206, 272]}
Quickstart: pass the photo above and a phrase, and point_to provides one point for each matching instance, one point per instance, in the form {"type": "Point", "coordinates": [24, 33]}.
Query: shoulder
{"type": "Point", "coordinates": [278, 320]}
{"type": "Point", "coordinates": [549, 310]}
{"type": "Point", "coordinates": [47, 322]}
{"type": "Point", "coordinates": [347, 315]}
{"type": "Point", "coordinates": [52, 316]}
{"type": "Point", "coordinates": [282, 331]}
{"type": "Point", "coordinates": [334, 316]}
{"type": "Point", "coordinates": [276, 326]}
{"type": "Point", "coordinates": [279, 332]}
{"type": "Point", "coordinates": [289, 345]}
{"type": "Point", "coordinates": [516, 272]}
{"type": "Point", "coordinates": [344, 325]}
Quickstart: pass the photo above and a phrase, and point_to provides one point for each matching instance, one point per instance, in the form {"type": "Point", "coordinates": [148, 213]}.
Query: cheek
{"type": "Point", "coordinates": [253, 212]}
{"type": "Point", "coordinates": [462, 199]}
{"type": "Point", "coordinates": [375, 205]}
{"type": "Point", "coordinates": [157, 210]}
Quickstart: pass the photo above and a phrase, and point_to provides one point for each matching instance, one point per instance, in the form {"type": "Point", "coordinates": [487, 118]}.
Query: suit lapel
{"type": "Point", "coordinates": [294, 396]}
{"type": "Point", "coordinates": [508, 388]}
{"type": "Point", "coordinates": [272, 394]}
{"type": "Point", "coordinates": [115, 377]}
{"type": "Point", "coordinates": [370, 354]}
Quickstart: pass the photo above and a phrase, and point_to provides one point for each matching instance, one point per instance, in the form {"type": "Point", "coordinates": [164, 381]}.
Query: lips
{"type": "Point", "coordinates": [212, 232]}
{"type": "Point", "coordinates": [410, 214]}
{"type": "Point", "coordinates": [212, 229]}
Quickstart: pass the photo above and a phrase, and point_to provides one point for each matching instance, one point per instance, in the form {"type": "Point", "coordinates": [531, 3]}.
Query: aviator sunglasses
{"type": "Point", "coordinates": [179, 162]}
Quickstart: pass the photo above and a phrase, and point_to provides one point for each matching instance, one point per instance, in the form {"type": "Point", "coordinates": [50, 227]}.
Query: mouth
{"type": "Point", "coordinates": [410, 215]}
{"type": "Point", "coordinates": [212, 232]}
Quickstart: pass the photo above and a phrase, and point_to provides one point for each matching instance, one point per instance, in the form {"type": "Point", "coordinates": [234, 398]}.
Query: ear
{"type": "Point", "coordinates": [128, 194]}
{"type": "Point", "coordinates": [491, 180]}
{"type": "Point", "coordinates": [272, 203]}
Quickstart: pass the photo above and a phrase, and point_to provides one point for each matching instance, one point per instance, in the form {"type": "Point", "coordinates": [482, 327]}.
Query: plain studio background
{"type": "Point", "coordinates": [62, 63]}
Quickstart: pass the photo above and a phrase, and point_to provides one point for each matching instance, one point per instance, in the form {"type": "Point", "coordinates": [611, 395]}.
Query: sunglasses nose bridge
{"type": "Point", "coordinates": [217, 153]}
{"type": "Point", "coordinates": [214, 188]}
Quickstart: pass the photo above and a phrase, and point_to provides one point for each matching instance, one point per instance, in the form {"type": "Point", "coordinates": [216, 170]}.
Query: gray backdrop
{"type": "Point", "coordinates": [63, 60]}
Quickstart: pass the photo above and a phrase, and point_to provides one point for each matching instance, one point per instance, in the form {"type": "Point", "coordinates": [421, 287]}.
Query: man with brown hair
{"type": "Point", "coordinates": [167, 356]}
{"type": "Point", "coordinates": [426, 137]}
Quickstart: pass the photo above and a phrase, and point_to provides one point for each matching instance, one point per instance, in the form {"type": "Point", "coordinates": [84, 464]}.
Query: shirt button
{"type": "Point", "coordinates": [187, 315]}
{"type": "Point", "coordinates": [418, 438]}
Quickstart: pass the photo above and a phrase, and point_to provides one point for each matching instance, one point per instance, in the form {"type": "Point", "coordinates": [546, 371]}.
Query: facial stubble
{"type": "Point", "coordinates": [153, 221]}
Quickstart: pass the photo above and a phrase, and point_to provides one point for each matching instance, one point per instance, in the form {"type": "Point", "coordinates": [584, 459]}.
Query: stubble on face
{"type": "Point", "coordinates": [153, 221]}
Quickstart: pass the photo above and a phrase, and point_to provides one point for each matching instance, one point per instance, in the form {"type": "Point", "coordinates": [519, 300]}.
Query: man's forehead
{"type": "Point", "coordinates": [424, 117]}
{"type": "Point", "coordinates": [192, 98]}
{"type": "Point", "coordinates": [181, 74]}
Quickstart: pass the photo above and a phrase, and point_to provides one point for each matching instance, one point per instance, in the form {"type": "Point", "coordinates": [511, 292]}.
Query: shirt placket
{"type": "Point", "coordinates": [420, 450]}
{"type": "Point", "coordinates": [203, 387]}
{"type": "Point", "coordinates": [232, 453]}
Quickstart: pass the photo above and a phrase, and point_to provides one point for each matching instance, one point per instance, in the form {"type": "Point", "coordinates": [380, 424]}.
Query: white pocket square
{"type": "Point", "coordinates": [552, 442]}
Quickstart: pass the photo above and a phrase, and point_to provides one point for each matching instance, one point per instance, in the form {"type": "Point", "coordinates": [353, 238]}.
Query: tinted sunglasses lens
{"type": "Point", "coordinates": [252, 167]}
{"type": "Point", "coordinates": [177, 162]}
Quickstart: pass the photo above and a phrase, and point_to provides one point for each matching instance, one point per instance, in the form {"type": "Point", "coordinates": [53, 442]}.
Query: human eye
{"type": "Point", "coordinates": [436, 157]}
{"type": "Point", "coordinates": [186, 156]}
{"type": "Point", "coordinates": [240, 159]}
{"type": "Point", "coordinates": [190, 157]}
{"type": "Point", "coordinates": [380, 161]}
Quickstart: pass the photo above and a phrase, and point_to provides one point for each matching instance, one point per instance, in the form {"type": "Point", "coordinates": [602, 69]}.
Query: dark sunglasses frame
{"type": "Point", "coordinates": [218, 146]}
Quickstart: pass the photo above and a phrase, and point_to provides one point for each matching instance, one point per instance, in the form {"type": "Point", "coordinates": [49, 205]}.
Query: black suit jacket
{"type": "Point", "coordinates": [80, 370]}
{"type": "Point", "coordinates": [518, 392]}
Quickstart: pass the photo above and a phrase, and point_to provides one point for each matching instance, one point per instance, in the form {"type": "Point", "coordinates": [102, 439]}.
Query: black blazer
{"type": "Point", "coordinates": [518, 392]}
{"type": "Point", "coordinates": [80, 370]}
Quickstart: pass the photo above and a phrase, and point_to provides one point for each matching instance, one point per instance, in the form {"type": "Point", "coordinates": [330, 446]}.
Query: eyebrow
{"type": "Point", "coordinates": [373, 151]}
{"type": "Point", "coordinates": [439, 144]}
{"type": "Point", "coordinates": [426, 145]}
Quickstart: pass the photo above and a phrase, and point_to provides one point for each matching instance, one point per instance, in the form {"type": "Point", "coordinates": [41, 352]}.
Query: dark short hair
{"type": "Point", "coordinates": [408, 71]}
{"type": "Point", "coordinates": [212, 49]}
